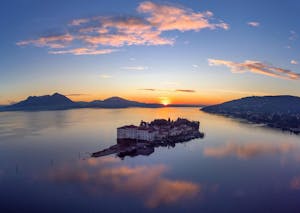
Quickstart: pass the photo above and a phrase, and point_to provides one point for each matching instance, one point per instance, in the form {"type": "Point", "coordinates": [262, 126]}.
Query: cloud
{"type": "Point", "coordinates": [169, 17]}
{"type": "Point", "coordinates": [247, 93]}
{"type": "Point", "coordinates": [256, 67]}
{"type": "Point", "coordinates": [149, 89]}
{"type": "Point", "coordinates": [55, 42]}
{"type": "Point", "coordinates": [101, 34]}
{"type": "Point", "coordinates": [253, 24]}
{"type": "Point", "coordinates": [165, 90]}
{"type": "Point", "coordinates": [77, 22]}
{"type": "Point", "coordinates": [185, 90]}
{"type": "Point", "coordinates": [293, 36]}
{"type": "Point", "coordinates": [105, 76]}
{"type": "Point", "coordinates": [76, 94]}
{"type": "Point", "coordinates": [294, 62]}
{"type": "Point", "coordinates": [136, 68]}
{"type": "Point", "coordinates": [120, 31]}
{"type": "Point", "coordinates": [84, 51]}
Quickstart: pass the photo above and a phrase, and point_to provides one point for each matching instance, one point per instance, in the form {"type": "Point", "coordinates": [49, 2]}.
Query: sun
{"type": "Point", "coordinates": [165, 101]}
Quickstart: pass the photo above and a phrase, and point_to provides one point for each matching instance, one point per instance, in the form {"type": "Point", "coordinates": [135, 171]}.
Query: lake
{"type": "Point", "coordinates": [237, 167]}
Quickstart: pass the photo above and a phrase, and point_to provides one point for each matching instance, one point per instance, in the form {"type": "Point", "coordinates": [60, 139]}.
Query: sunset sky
{"type": "Point", "coordinates": [196, 51]}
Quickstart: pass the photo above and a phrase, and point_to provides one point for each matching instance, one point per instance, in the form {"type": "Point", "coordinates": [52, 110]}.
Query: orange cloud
{"type": "Point", "coordinates": [246, 151]}
{"type": "Point", "coordinates": [167, 17]}
{"type": "Point", "coordinates": [256, 67]}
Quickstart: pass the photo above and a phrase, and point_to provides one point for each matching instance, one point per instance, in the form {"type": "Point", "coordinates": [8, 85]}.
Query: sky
{"type": "Point", "coordinates": [191, 52]}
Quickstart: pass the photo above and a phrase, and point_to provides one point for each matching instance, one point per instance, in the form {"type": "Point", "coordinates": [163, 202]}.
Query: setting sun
{"type": "Point", "coordinates": [165, 101]}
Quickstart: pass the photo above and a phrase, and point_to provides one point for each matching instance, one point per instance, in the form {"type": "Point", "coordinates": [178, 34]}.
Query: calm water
{"type": "Point", "coordinates": [237, 167]}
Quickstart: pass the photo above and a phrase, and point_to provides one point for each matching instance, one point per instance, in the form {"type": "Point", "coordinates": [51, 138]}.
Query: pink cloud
{"type": "Point", "coordinates": [112, 31]}
{"type": "Point", "coordinates": [54, 42]}
{"type": "Point", "coordinates": [126, 31]}
{"type": "Point", "coordinates": [77, 22]}
{"type": "Point", "coordinates": [256, 67]}
{"type": "Point", "coordinates": [167, 17]}
{"type": "Point", "coordinates": [253, 24]}
{"type": "Point", "coordinates": [84, 51]}
{"type": "Point", "coordinates": [294, 62]}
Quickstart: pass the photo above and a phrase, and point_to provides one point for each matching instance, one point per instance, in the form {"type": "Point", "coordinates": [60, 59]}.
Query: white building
{"type": "Point", "coordinates": [138, 133]}
{"type": "Point", "coordinates": [127, 132]}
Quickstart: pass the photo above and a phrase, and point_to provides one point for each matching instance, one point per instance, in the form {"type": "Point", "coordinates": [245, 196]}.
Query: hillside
{"type": "Point", "coordinates": [117, 102]}
{"type": "Point", "coordinates": [276, 111]}
{"type": "Point", "coordinates": [55, 101]}
{"type": "Point", "coordinates": [58, 101]}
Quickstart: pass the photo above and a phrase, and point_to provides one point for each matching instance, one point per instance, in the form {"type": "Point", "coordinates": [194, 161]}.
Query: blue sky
{"type": "Point", "coordinates": [197, 51]}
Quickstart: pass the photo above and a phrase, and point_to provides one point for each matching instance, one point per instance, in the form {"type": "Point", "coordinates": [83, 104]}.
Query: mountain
{"type": "Point", "coordinates": [267, 104]}
{"type": "Point", "coordinates": [58, 101]}
{"type": "Point", "coordinates": [117, 102]}
{"type": "Point", "coordinates": [55, 101]}
{"type": "Point", "coordinates": [275, 111]}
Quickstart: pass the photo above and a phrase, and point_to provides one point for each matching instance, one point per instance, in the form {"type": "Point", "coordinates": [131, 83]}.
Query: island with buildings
{"type": "Point", "coordinates": [141, 140]}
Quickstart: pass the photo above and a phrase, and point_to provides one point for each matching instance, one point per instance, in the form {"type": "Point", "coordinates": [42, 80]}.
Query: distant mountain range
{"type": "Point", "coordinates": [275, 111]}
{"type": "Point", "coordinates": [58, 101]}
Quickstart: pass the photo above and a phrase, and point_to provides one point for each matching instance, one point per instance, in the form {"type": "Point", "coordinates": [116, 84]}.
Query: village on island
{"type": "Point", "coordinates": [141, 140]}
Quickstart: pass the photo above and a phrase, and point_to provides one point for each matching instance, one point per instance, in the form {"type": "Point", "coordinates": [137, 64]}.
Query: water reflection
{"type": "Point", "coordinates": [106, 175]}
{"type": "Point", "coordinates": [20, 124]}
{"type": "Point", "coordinates": [247, 150]}
{"type": "Point", "coordinates": [295, 183]}
{"type": "Point", "coordinates": [235, 168]}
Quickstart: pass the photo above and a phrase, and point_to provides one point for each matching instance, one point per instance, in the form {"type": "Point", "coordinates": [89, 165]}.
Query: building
{"type": "Point", "coordinates": [158, 129]}
{"type": "Point", "coordinates": [127, 132]}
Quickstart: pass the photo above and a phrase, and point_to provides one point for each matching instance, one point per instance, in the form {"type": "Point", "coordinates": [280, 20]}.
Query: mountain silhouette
{"type": "Point", "coordinates": [260, 104]}
{"type": "Point", "coordinates": [281, 112]}
{"type": "Point", "coordinates": [58, 101]}
{"type": "Point", "coordinates": [55, 101]}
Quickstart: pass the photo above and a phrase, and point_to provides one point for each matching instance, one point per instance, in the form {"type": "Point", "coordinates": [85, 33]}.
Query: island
{"type": "Point", "coordinates": [281, 112]}
{"type": "Point", "coordinates": [141, 140]}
